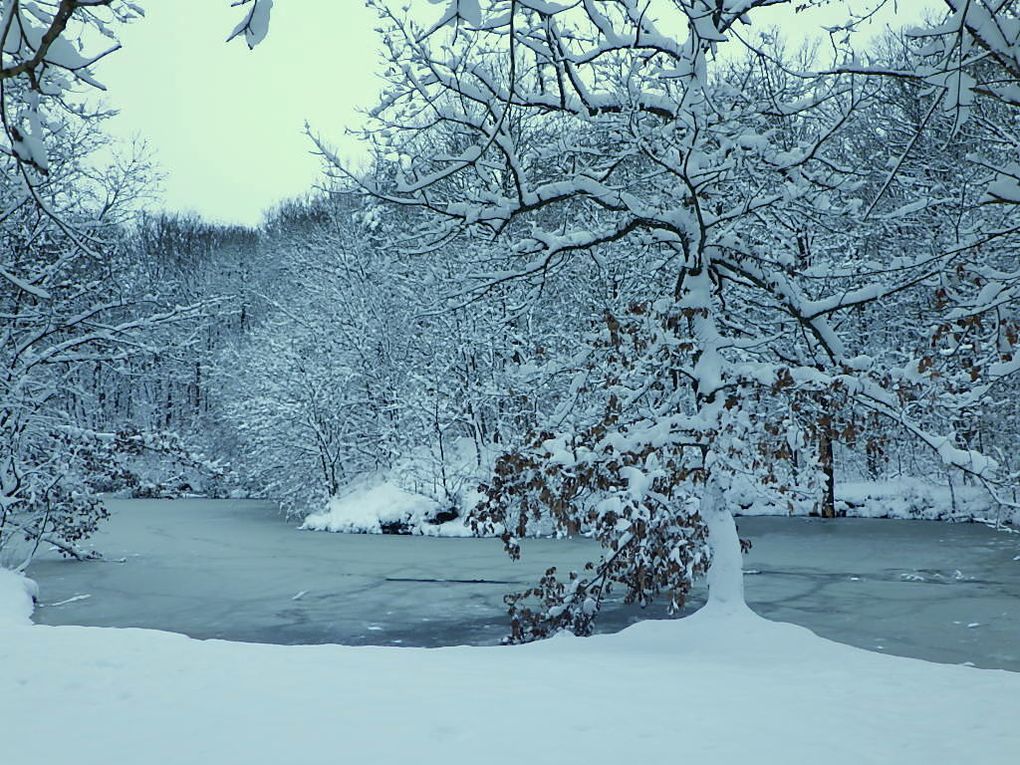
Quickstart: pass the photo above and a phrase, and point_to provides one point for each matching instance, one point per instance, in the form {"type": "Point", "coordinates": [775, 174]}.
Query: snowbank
{"type": "Point", "coordinates": [385, 508]}
{"type": "Point", "coordinates": [906, 499]}
{"type": "Point", "coordinates": [712, 689]}
{"type": "Point", "coordinates": [17, 598]}
{"type": "Point", "coordinates": [913, 499]}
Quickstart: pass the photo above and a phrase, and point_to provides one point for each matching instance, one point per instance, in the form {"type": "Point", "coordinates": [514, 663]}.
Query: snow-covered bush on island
{"type": "Point", "coordinates": [345, 375]}
{"type": "Point", "coordinates": [384, 508]}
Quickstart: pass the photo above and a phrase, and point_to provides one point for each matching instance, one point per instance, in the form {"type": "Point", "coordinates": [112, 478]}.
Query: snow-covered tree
{"type": "Point", "coordinates": [607, 131]}
{"type": "Point", "coordinates": [346, 373]}
{"type": "Point", "coordinates": [70, 312]}
{"type": "Point", "coordinates": [953, 88]}
{"type": "Point", "coordinates": [73, 308]}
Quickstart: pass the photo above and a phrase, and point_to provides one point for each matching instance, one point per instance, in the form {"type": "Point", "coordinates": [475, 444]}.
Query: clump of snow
{"type": "Point", "coordinates": [17, 598]}
{"type": "Point", "coordinates": [456, 528]}
{"type": "Point", "coordinates": [255, 24]}
{"type": "Point", "coordinates": [716, 688]}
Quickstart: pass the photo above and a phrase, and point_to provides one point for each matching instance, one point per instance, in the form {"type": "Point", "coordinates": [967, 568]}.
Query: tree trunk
{"type": "Point", "coordinates": [726, 573]}
{"type": "Point", "coordinates": [825, 460]}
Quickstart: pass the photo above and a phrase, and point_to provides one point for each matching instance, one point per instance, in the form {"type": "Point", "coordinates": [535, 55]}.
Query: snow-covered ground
{"type": "Point", "coordinates": [236, 570]}
{"type": "Point", "coordinates": [913, 499]}
{"type": "Point", "coordinates": [713, 688]}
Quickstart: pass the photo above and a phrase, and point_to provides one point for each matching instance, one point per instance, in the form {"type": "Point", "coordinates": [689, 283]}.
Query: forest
{"type": "Point", "coordinates": [611, 269]}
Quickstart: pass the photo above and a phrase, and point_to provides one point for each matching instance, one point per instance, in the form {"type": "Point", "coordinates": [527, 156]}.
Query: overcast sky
{"type": "Point", "coordinates": [227, 123]}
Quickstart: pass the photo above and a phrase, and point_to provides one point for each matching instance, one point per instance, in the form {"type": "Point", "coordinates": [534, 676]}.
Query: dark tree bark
{"type": "Point", "coordinates": [825, 459]}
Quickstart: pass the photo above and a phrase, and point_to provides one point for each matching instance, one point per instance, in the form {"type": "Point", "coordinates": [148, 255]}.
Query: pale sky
{"type": "Point", "coordinates": [227, 123]}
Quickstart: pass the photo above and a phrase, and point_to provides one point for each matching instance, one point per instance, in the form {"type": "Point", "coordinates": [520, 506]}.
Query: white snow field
{"type": "Point", "coordinates": [718, 687]}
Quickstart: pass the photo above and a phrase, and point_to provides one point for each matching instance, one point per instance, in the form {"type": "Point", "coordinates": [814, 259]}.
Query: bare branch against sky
{"type": "Point", "coordinates": [227, 123]}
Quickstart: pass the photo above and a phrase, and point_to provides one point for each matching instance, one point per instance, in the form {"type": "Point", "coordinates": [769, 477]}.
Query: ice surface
{"type": "Point", "coordinates": [232, 569]}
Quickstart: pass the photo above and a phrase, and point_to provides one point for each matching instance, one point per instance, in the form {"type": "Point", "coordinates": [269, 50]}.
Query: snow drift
{"type": "Point", "coordinates": [905, 499]}
{"type": "Point", "coordinates": [913, 499]}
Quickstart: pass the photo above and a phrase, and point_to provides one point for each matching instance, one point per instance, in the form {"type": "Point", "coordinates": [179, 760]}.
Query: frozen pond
{"type": "Point", "coordinates": [234, 569]}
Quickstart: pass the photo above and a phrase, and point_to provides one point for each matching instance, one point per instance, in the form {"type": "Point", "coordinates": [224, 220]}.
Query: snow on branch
{"type": "Point", "coordinates": [255, 23]}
